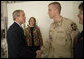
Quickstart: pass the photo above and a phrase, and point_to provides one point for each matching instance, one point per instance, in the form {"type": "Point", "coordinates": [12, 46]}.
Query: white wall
{"type": "Point", "coordinates": [39, 10]}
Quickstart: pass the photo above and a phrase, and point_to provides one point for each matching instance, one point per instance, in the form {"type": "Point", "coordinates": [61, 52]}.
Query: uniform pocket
{"type": "Point", "coordinates": [61, 41]}
{"type": "Point", "coordinates": [61, 38]}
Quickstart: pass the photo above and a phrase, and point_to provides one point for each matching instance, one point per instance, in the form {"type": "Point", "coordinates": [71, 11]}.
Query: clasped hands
{"type": "Point", "coordinates": [38, 53]}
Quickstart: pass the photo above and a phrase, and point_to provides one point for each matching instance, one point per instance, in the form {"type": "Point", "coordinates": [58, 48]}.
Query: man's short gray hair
{"type": "Point", "coordinates": [16, 13]}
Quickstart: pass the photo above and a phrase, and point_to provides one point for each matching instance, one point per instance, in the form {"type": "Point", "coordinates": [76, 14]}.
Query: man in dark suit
{"type": "Point", "coordinates": [17, 46]}
{"type": "Point", "coordinates": [78, 41]}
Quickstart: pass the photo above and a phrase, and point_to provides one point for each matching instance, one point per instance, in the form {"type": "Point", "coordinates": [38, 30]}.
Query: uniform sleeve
{"type": "Point", "coordinates": [46, 46]}
{"type": "Point", "coordinates": [73, 30]}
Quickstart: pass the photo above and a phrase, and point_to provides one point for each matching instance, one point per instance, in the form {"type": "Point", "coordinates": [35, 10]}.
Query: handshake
{"type": "Point", "coordinates": [38, 53]}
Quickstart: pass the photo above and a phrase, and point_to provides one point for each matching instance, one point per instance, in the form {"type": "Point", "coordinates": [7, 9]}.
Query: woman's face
{"type": "Point", "coordinates": [32, 21]}
{"type": "Point", "coordinates": [80, 15]}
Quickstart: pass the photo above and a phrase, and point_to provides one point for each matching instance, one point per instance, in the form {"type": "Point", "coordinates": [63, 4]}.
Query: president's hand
{"type": "Point", "coordinates": [38, 54]}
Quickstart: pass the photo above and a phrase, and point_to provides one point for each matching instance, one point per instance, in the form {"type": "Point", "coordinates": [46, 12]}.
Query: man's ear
{"type": "Point", "coordinates": [56, 11]}
{"type": "Point", "coordinates": [17, 17]}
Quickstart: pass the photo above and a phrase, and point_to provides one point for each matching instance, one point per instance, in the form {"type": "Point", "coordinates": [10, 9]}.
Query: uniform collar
{"type": "Point", "coordinates": [59, 23]}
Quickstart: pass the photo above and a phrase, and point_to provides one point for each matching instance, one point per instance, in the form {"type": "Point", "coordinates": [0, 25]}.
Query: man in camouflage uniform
{"type": "Point", "coordinates": [61, 34]}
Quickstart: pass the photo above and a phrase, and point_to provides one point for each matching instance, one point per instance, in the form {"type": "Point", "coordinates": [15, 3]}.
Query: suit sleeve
{"type": "Point", "coordinates": [19, 45]}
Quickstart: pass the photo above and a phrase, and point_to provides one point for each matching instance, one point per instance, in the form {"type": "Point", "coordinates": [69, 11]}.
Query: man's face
{"type": "Point", "coordinates": [80, 15]}
{"type": "Point", "coordinates": [22, 17]}
{"type": "Point", "coordinates": [51, 11]}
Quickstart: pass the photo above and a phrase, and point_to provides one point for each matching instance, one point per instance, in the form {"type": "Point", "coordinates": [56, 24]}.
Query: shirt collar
{"type": "Point", "coordinates": [17, 23]}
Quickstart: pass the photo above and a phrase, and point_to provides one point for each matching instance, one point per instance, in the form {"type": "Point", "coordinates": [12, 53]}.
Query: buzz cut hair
{"type": "Point", "coordinates": [57, 5]}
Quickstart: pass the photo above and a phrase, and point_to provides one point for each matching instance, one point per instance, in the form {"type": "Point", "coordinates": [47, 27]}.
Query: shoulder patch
{"type": "Point", "coordinates": [74, 26]}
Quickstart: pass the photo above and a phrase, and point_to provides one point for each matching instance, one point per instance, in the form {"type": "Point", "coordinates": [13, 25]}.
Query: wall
{"type": "Point", "coordinates": [39, 10]}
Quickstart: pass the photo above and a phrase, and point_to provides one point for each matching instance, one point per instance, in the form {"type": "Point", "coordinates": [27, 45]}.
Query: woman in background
{"type": "Point", "coordinates": [33, 35]}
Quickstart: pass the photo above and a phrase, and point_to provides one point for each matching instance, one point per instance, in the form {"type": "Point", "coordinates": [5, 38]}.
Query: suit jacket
{"type": "Point", "coordinates": [78, 46]}
{"type": "Point", "coordinates": [17, 45]}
